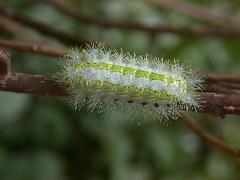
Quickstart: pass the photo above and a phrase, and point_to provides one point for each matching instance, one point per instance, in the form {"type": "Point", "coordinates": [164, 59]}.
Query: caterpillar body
{"type": "Point", "coordinates": [142, 86]}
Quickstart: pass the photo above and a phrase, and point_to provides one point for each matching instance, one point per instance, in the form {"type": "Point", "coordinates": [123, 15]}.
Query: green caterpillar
{"type": "Point", "coordinates": [105, 80]}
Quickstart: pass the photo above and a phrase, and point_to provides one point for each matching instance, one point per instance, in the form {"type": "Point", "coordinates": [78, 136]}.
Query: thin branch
{"type": "Point", "coordinates": [29, 47]}
{"type": "Point", "coordinates": [221, 89]}
{"type": "Point", "coordinates": [130, 25]}
{"type": "Point", "coordinates": [209, 138]}
{"type": "Point", "coordinates": [198, 11]}
{"type": "Point", "coordinates": [17, 30]}
{"type": "Point", "coordinates": [221, 104]}
{"type": "Point", "coordinates": [43, 28]}
{"type": "Point", "coordinates": [222, 77]}
{"type": "Point", "coordinates": [229, 85]}
{"type": "Point", "coordinates": [216, 104]}
{"type": "Point", "coordinates": [34, 84]}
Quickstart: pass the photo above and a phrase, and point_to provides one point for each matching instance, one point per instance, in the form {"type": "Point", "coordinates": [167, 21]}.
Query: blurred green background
{"type": "Point", "coordinates": [42, 138]}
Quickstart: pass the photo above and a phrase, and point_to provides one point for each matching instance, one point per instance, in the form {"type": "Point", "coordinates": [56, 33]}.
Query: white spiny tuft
{"type": "Point", "coordinates": [144, 87]}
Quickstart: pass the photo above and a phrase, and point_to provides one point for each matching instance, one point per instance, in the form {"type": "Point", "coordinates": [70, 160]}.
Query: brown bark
{"type": "Point", "coordinates": [216, 104]}
{"type": "Point", "coordinates": [4, 64]}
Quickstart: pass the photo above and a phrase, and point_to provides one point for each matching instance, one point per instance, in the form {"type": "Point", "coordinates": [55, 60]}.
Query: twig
{"type": "Point", "coordinates": [221, 104]}
{"type": "Point", "coordinates": [220, 89]}
{"type": "Point", "coordinates": [43, 28]}
{"type": "Point", "coordinates": [29, 47]}
{"type": "Point", "coordinates": [229, 85]}
{"type": "Point", "coordinates": [71, 40]}
{"type": "Point", "coordinates": [34, 84]}
{"type": "Point", "coordinates": [130, 25]}
{"type": "Point", "coordinates": [217, 104]}
{"type": "Point", "coordinates": [209, 138]}
{"type": "Point", "coordinates": [200, 12]}
{"type": "Point", "coordinates": [222, 77]}
{"type": "Point", "coordinates": [20, 32]}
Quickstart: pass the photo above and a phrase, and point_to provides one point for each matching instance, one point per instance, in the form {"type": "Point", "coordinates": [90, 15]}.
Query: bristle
{"type": "Point", "coordinates": [145, 87]}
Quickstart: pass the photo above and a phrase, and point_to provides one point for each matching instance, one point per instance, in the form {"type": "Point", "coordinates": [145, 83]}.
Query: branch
{"type": "Point", "coordinates": [221, 104]}
{"type": "Point", "coordinates": [197, 11]}
{"type": "Point", "coordinates": [29, 47]}
{"type": "Point", "coordinates": [221, 89]}
{"type": "Point", "coordinates": [209, 138]}
{"type": "Point", "coordinates": [43, 28]}
{"type": "Point", "coordinates": [130, 25]}
{"type": "Point", "coordinates": [217, 104]}
{"type": "Point", "coordinates": [33, 84]}
{"type": "Point", "coordinates": [222, 77]}
{"type": "Point", "coordinates": [18, 31]}
{"type": "Point", "coordinates": [230, 85]}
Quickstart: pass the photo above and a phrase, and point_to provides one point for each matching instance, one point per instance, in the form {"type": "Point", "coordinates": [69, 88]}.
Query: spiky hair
{"type": "Point", "coordinates": [142, 86]}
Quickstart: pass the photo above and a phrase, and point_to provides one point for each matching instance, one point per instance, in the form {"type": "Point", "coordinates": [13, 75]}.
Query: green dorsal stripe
{"type": "Point", "coordinates": [133, 72]}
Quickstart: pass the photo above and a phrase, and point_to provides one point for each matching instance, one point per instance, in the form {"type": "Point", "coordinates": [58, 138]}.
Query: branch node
{"type": "Point", "coordinates": [4, 64]}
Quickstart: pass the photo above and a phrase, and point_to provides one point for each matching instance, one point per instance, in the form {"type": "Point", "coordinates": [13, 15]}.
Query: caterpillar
{"type": "Point", "coordinates": [105, 80]}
